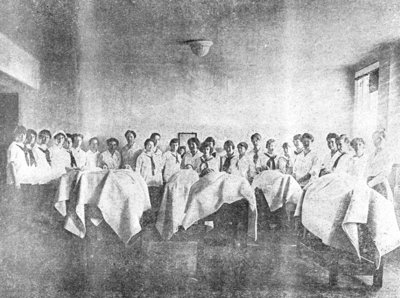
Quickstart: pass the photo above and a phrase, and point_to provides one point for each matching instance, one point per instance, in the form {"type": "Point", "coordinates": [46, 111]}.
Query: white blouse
{"type": "Point", "coordinates": [145, 168]}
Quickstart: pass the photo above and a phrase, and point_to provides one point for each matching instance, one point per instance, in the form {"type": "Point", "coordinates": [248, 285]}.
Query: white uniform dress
{"type": "Point", "coordinates": [306, 164]}
{"type": "Point", "coordinates": [16, 155]}
{"type": "Point", "coordinates": [172, 164]}
{"type": "Point", "coordinates": [113, 162]}
{"type": "Point", "coordinates": [80, 157]}
{"type": "Point", "coordinates": [60, 160]}
{"type": "Point", "coordinates": [379, 166]}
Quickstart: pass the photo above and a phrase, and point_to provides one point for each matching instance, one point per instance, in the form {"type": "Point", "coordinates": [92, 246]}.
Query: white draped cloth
{"type": "Point", "coordinates": [172, 209]}
{"type": "Point", "coordinates": [120, 198]}
{"type": "Point", "coordinates": [334, 205]}
{"type": "Point", "coordinates": [215, 189]}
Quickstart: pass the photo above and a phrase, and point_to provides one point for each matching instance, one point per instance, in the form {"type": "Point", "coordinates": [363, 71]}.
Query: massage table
{"type": "Point", "coordinates": [346, 227]}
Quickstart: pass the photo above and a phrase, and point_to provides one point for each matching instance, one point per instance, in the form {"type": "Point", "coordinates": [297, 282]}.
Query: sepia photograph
{"type": "Point", "coordinates": [199, 148]}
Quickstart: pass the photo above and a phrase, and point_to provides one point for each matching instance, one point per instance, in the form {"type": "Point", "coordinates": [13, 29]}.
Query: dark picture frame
{"type": "Point", "coordinates": [183, 137]}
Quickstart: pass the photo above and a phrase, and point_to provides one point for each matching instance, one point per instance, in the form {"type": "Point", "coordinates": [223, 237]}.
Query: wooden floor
{"type": "Point", "coordinates": [40, 259]}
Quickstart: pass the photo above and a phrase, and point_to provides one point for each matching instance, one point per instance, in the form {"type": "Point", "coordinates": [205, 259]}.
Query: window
{"type": "Point", "coordinates": [366, 101]}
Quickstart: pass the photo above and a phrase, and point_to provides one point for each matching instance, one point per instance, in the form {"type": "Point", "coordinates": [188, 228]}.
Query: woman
{"type": "Point", "coordinates": [60, 158]}
{"type": "Point", "coordinates": [111, 158]}
{"type": "Point", "coordinates": [306, 167]}
{"type": "Point", "coordinates": [149, 165]}
{"type": "Point", "coordinates": [285, 164]}
{"type": "Point", "coordinates": [379, 166]}
{"type": "Point", "coordinates": [194, 153]}
{"type": "Point", "coordinates": [226, 164]}
{"type": "Point", "coordinates": [358, 162]}
{"type": "Point", "coordinates": [206, 163]}
{"type": "Point", "coordinates": [130, 152]}
{"type": "Point", "coordinates": [77, 151]}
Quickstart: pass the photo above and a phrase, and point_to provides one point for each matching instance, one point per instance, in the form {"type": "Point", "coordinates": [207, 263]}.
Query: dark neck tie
{"type": "Point", "coordinates": [227, 163]}
{"type": "Point", "coordinates": [271, 162]}
{"type": "Point", "coordinates": [176, 157]}
{"type": "Point", "coordinates": [26, 154]}
{"type": "Point", "coordinates": [32, 158]}
{"type": "Point", "coordinates": [47, 153]}
{"type": "Point", "coordinates": [255, 157]}
{"type": "Point", "coordinates": [153, 165]}
{"type": "Point", "coordinates": [73, 161]}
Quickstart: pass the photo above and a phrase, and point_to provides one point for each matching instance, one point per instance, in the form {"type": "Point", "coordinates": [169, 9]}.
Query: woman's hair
{"type": "Point", "coordinates": [307, 136]}
{"type": "Point", "coordinates": [75, 135]}
{"type": "Point", "coordinates": [210, 140]}
{"type": "Point", "coordinates": [148, 141]}
{"type": "Point", "coordinates": [243, 144]}
{"type": "Point", "coordinates": [355, 141]}
{"type": "Point", "coordinates": [69, 136]}
{"type": "Point", "coordinates": [194, 140]}
{"type": "Point", "coordinates": [44, 132]}
{"type": "Point", "coordinates": [229, 143]}
{"type": "Point", "coordinates": [285, 145]}
{"type": "Point", "coordinates": [154, 135]}
{"type": "Point", "coordinates": [92, 139]}
{"type": "Point", "coordinates": [343, 137]}
{"type": "Point", "coordinates": [31, 132]}
{"type": "Point", "coordinates": [381, 132]}
{"type": "Point", "coordinates": [174, 141]}
{"type": "Point", "coordinates": [332, 135]}
{"type": "Point", "coordinates": [297, 137]}
{"type": "Point", "coordinates": [112, 140]}
{"type": "Point", "coordinates": [20, 130]}
{"type": "Point", "coordinates": [269, 142]}
{"type": "Point", "coordinates": [205, 145]}
{"type": "Point", "coordinates": [130, 131]}
{"type": "Point", "coordinates": [256, 135]}
{"type": "Point", "coordinates": [182, 147]}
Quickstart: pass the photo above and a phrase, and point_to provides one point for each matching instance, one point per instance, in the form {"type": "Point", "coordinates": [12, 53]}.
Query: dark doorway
{"type": "Point", "coordinates": [8, 121]}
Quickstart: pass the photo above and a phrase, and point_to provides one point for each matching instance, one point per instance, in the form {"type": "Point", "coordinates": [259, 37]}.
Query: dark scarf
{"type": "Point", "coordinates": [47, 153]}
{"type": "Point", "coordinates": [24, 149]}
{"type": "Point", "coordinates": [73, 161]}
{"type": "Point", "coordinates": [271, 164]}
{"type": "Point", "coordinates": [227, 163]}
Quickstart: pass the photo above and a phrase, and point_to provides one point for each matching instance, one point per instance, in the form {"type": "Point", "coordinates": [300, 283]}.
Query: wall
{"type": "Point", "coordinates": [30, 26]}
{"type": "Point", "coordinates": [135, 73]}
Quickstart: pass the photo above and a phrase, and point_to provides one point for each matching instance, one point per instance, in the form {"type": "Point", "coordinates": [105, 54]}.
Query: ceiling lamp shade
{"type": "Point", "coordinates": [200, 47]}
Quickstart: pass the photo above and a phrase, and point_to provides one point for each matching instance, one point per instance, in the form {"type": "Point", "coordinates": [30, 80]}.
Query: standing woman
{"type": "Point", "coordinates": [206, 163]}
{"type": "Point", "coordinates": [379, 166]}
{"type": "Point", "coordinates": [194, 153]}
{"type": "Point", "coordinates": [285, 163]}
{"type": "Point", "coordinates": [358, 162]}
{"type": "Point", "coordinates": [149, 166]}
{"type": "Point", "coordinates": [60, 158]}
{"type": "Point", "coordinates": [306, 166]}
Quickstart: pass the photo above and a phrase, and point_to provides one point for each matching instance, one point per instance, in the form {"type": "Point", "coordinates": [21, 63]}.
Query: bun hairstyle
{"type": "Point", "coordinates": [381, 132]}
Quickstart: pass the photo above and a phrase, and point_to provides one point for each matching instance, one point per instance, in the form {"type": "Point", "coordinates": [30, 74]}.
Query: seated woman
{"type": "Point", "coordinates": [306, 167]}
{"type": "Point", "coordinates": [111, 158]}
{"type": "Point", "coordinates": [206, 163]}
{"type": "Point", "coordinates": [379, 166]}
{"type": "Point", "coordinates": [194, 153]}
{"type": "Point", "coordinates": [271, 160]}
{"type": "Point", "coordinates": [60, 158]}
{"type": "Point", "coordinates": [78, 153]}
{"type": "Point", "coordinates": [285, 163]}
{"type": "Point", "coordinates": [358, 162]}
{"type": "Point", "coordinates": [182, 151]}
{"type": "Point", "coordinates": [149, 165]}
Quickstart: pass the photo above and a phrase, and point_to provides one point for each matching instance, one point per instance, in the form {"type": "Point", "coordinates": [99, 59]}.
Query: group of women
{"type": "Point", "coordinates": [32, 161]}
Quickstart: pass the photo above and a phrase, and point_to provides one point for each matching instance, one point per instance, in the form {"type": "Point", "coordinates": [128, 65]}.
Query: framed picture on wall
{"type": "Point", "coordinates": [183, 137]}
